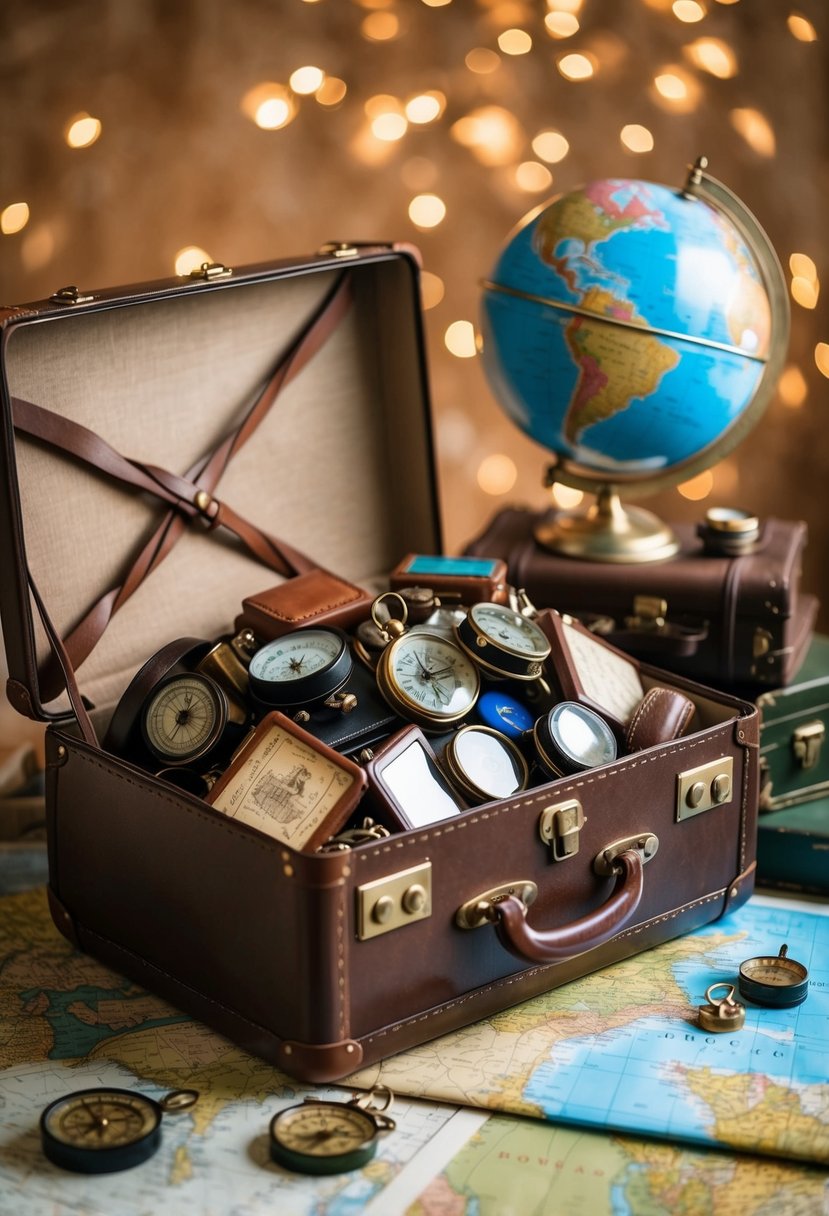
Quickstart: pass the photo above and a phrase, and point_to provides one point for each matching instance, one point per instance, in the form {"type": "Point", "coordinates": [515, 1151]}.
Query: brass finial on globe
{"type": "Point", "coordinates": [637, 332]}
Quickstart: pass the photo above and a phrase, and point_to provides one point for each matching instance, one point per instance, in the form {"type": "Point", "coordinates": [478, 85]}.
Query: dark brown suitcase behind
{"type": "Point", "coordinates": [733, 622]}
{"type": "Point", "coordinates": [287, 952]}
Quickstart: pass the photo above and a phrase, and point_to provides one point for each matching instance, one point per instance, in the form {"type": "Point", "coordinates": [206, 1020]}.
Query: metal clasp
{"type": "Point", "coordinates": [559, 827]}
{"type": "Point", "coordinates": [604, 863]}
{"type": "Point", "coordinates": [649, 612]}
{"type": "Point", "coordinates": [807, 741]}
{"type": "Point", "coordinates": [480, 910]}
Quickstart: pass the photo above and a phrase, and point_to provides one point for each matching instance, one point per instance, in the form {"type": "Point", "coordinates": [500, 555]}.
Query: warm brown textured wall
{"type": "Point", "coordinates": [178, 163]}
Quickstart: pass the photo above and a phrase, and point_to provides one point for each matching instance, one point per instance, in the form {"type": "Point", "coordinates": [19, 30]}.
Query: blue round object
{"type": "Point", "coordinates": [505, 713]}
{"type": "Point", "coordinates": [626, 327]}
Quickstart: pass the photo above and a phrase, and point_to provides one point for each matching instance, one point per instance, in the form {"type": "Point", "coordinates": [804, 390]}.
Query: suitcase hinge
{"type": "Point", "coordinates": [559, 827]}
{"type": "Point", "coordinates": [351, 249]}
{"type": "Point", "coordinates": [807, 741]}
{"type": "Point", "coordinates": [70, 295]}
{"type": "Point", "coordinates": [209, 271]}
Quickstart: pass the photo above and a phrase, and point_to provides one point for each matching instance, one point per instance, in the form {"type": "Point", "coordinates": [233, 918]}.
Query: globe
{"type": "Point", "coordinates": [636, 332]}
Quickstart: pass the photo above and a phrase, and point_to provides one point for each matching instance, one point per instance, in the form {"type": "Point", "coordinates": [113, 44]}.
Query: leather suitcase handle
{"type": "Point", "coordinates": [510, 919]}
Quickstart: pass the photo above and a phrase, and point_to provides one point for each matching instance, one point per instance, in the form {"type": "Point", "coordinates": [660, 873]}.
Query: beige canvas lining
{"type": "Point", "coordinates": [339, 469]}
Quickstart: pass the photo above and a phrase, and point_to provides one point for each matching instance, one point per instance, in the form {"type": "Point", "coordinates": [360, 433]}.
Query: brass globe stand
{"type": "Point", "coordinates": [606, 531]}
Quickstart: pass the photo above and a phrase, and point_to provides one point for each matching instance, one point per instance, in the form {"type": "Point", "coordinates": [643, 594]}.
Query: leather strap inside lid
{"type": "Point", "coordinates": [189, 497]}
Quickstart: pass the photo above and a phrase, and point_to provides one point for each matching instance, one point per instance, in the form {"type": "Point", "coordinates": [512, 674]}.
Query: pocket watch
{"type": "Point", "coordinates": [503, 641]}
{"type": "Point", "coordinates": [571, 737]}
{"type": "Point", "coordinates": [186, 718]}
{"type": "Point", "coordinates": [302, 669]}
{"type": "Point", "coordinates": [101, 1130]}
{"type": "Point", "coordinates": [774, 979]}
{"type": "Point", "coordinates": [321, 1137]}
{"type": "Point", "coordinates": [425, 677]}
{"type": "Point", "coordinates": [483, 764]}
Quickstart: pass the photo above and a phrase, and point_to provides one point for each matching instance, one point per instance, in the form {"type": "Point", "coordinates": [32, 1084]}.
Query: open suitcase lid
{"type": "Point", "coordinates": [340, 467]}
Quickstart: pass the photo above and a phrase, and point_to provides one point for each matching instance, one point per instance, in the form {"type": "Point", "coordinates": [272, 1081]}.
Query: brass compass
{"type": "Point", "coordinates": [321, 1137]}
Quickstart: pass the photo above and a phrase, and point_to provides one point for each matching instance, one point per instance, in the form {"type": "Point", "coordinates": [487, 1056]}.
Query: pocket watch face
{"type": "Point", "coordinates": [184, 718]}
{"type": "Point", "coordinates": [510, 630]}
{"type": "Point", "coordinates": [304, 665]}
{"type": "Point", "coordinates": [428, 678]}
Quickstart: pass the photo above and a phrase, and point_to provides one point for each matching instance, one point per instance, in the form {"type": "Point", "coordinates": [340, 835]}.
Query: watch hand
{"type": "Point", "coordinates": [443, 671]}
{"type": "Point", "coordinates": [439, 692]}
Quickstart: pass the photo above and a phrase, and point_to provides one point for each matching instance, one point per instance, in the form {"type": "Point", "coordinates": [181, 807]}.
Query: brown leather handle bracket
{"type": "Point", "coordinates": [510, 919]}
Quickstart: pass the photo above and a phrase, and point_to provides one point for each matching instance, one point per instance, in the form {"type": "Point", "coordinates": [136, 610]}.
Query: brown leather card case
{"type": "Point", "coordinates": [316, 597]}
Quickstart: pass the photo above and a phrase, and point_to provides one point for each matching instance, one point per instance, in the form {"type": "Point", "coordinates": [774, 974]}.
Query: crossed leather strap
{"type": "Point", "coordinates": [189, 497]}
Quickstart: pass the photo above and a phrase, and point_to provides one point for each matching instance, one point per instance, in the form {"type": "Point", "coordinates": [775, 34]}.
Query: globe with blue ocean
{"type": "Point", "coordinates": [627, 327]}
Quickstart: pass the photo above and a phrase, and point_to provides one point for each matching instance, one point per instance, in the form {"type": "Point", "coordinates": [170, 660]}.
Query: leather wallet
{"type": "Point", "coordinates": [316, 597]}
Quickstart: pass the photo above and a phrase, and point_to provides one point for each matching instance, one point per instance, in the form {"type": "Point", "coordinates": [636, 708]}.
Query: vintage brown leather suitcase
{"type": "Point", "coordinates": [131, 394]}
{"type": "Point", "coordinates": [737, 622]}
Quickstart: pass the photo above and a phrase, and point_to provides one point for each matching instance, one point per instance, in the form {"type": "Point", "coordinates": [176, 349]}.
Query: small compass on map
{"type": "Point", "coordinates": [101, 1130]}
{"type": "Point", "coordinates": [774, 979]}
{"type": "Point", "coordinates": [320, 1137]}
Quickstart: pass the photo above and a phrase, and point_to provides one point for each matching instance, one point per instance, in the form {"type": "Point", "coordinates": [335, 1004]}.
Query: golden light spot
{"type": "Point", "coordinates": [270, 105]}
{"type": "Point", "coordinates": [380, 27]}
{"type": "Point", "coordinates": [805, 292]}
{"type": "Point", "coordinates": [564, 6]}
{"type": "Point", "coordinates": [676, 90]}
{"type": "Point", "coordinates": [801, 264]}
{"type": "Point", "coordinates": [191, 257]}
{"type": "Point", "coordinates": [389, 127]}
{"type": "Point", "coordinates": [427, 210]}
{"type": "Point", "coordinates": [375, 3]}
{"type": "Point", "coordinates": [576, 67]}
{"type": "Point", "coordinates": [533, 177]}
{"type": "Point", "coordinates": [755, 129]}
{"type": "Point", "coordinates": [382, 103]}
{"type": "Point", "coordinates": [792, 387]}
{"type": "Point", "coordinates": [698, 487]}
{"type": "Point", "coordinates": [459, 340]}
{"type": "Point", "coordinates": [726, 478]}
{"type": "Point", "coordinates": [497, 474]}
{"type": "Point", "coordinates": [550, 146]}
{"type": "Point", "coordinates": [306, 80]}
{"type": "Point", "coordinates": [566, 497]}
{"type": "Point", "coordinates": [688, 10]}
{"type": "Point", "coordinates": [426, 107]}
{"type": "Point", "coordinates": [636, 138]}
{"type": "Point", "coordinates": [482, 61]}
{"type": "Point", "coordinates": [331, 92]}
{"type": "Point", "coordinates": [822, 358]}
{"type": "Point", "coordinates": [436, 3]}
{"type": "Point", "coordinates": [712, 55]}
{"type": "Point", "coordinates": [802, 29]}
{"type": "Point", "coordinates": [515, 42]}
{"type": "Point", "coordinates": [456, 434]}
{"type": "Point", "coordinates": [38, 247]}
{"type": "Point", "coordinates": [493, 134]}
{"type": "Point", "coordinates": [432, 289]}
{"type": "Point", "coordinates": [561, 25]}
{"type": "Point", "coordinates": [13, 218]}
{"type": "Point", "coordinates": [82, 131]}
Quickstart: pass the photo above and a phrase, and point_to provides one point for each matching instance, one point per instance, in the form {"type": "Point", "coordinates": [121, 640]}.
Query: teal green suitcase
{"type": "Point", "coordinates": [794, 750]}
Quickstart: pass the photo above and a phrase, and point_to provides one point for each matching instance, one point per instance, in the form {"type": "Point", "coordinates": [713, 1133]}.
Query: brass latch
{"type": "Point", "coordinates": [70, 295]}
{"type": "Point", "coordinates": [210, 270]}
{"type": "Point", "coordinates": [704, 787]}
{"type": "Point", "coordinates": [807, 741]}
{"type": "Point", "coordinates": [559, 827]}
{"type": "Point", "coordinates": [396, 900]}
{"type": "Point", "coordinates": [649, 612]}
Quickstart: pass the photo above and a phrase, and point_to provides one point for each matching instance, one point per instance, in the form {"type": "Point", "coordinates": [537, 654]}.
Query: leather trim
{"type": "Point", "coordinates": [318, 1063]}
{"type": "Point", "coordinates": [63, 919]}
{"type": "Point", "coordinates": [20, 699]}
{"type": "Point", "coordinates": [740, 889]}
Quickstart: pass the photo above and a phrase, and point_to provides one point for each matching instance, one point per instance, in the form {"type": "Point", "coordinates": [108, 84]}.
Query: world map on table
{"type": "Point", "coordinates": [67, 1023]}
{"type": "Point", "coordinates": [621, 1049]}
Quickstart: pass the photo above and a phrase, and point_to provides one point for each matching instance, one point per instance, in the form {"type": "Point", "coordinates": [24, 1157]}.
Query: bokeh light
{"type": "Point", "coordinates": [712, 55]}
{"type": "Point", "coordinates": [190, 258]}
{"type": "Point", "coordinates": [497, 474]}
{"type": "Point", "coordinates": [792, 387]}
{"type": "Point", "coordinates": [427, 210]}
{"type": "Point", "coordinates": [306, 80]}
{"type": "Point", "coordinates": [801, 28]}
{"type": "Point", "coordinates": [432, 289]}
{"type": "Point", "coordinates": [822, 358]}
{"type": "Point", "coordinates": [698, 487]}
{"type": "Point", "coordinates": [82, 131]}
{"type": "Point", "coordinates": [576, 67]}
{"type": "Point", "coordinates": [636, 138]}
{"type": "Point", "coordinates": [14, 218]}
{"type": "Point", "coordinates": [269, 105]}
{"type": "Point", "coordinates": [459, 340]}
{"type": "Point", "coordinates": [532, 177]}
{"type": "Point", "coordinates": [550, 146]}
{"type": "Point", "coordinates": [755, 129]}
